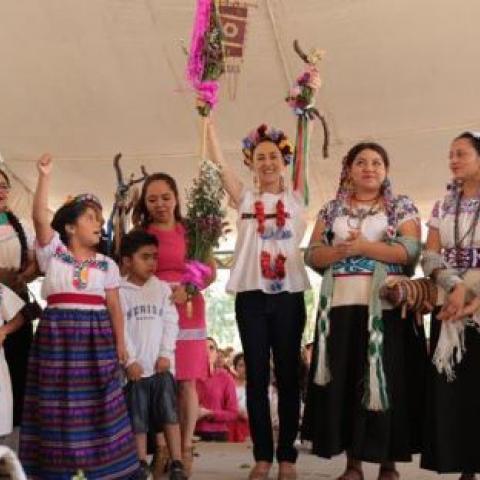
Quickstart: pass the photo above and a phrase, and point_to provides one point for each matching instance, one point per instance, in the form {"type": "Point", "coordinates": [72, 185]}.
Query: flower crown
{"type": "Point", "coordinates": [84, 197]}
{"type": "Point", "coordinates": [265, 134]}
{"type": "Point", "coordinates": [474, 134]}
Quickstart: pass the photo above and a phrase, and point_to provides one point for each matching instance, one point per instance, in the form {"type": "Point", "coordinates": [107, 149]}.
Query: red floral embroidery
{"type": "Point", "coordinates": [275, 271]}
{"type": "Point", "coordinates": [260, 215]}
{"type": "Point", "coordinates": [280, 266]}
{"type": "Point", "coordinates": [281, 214]}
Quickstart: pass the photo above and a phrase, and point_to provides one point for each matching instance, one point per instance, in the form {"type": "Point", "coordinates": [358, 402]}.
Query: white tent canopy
{"type": "Point", "coordinates": [85, 79]}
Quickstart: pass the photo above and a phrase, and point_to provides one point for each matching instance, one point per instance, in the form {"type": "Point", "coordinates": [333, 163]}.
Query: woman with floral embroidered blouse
{"type": "Point", "coordinates": [366, 357]}
{"type": "Point", "coordinates": [268, 278]}
{"type": "Point", "coordinates": [451, 258]}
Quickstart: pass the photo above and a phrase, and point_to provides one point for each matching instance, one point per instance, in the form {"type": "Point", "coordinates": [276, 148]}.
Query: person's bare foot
{"type": "Point", "coordinates": [187, 460]}
{"type": "Point", "coordinates": [388, 472]}
{"type": "Point", "coordinates": [260, 471]}
{"type": "Point", "coordinates": [287, 471]}
{"type": "Point", "coordinates": [352, 472]}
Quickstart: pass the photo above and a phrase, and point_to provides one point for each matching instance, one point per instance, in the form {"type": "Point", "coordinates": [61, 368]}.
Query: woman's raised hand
{"type": "Point", "coordinates": [45, 164]}
{"type": "Point", "coordinates": [315, 79]}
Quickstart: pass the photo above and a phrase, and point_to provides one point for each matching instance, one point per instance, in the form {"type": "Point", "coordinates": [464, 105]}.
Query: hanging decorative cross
{"type": "Point", "coordinates": [125, 200]}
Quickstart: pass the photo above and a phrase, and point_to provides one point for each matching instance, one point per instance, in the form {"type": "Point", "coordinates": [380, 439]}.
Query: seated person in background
{"type": "Point", "coordinates": [239, 429]}
{"type": "Point", "coordinates": [217, 398]}
{"type": "Point", "coordinates": [221, 361]}
{"type": "Point", "coordinates": [229, 355]}
{"type": "Point", "coordinates": [151, 329]}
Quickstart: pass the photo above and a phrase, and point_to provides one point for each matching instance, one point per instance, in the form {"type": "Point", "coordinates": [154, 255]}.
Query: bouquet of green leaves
{"type": "Point", "coordinates": [204, 225]}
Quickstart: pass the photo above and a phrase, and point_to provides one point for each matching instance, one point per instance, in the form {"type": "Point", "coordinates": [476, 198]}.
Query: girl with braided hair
{"type": "Point", "coordinates": [451, 259]}
{"type": "Point", "coordinates": [365, 355]}
{"type": "Point", "coordinates": [268, 278]}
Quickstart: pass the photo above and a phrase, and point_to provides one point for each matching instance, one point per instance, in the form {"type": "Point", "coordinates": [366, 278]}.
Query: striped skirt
{"type": "Point", "coordinates": [75, 417]}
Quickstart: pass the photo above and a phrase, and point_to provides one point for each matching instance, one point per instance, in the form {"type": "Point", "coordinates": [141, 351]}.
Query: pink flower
{"type": "Point", "coordinates": [208, 91]}
{"type": "Point", "coordinates": [304, 78]}
{"type": "Point", "coordinates": [295, 91]}
{"type": "Point", "coordinates": [196, 273]}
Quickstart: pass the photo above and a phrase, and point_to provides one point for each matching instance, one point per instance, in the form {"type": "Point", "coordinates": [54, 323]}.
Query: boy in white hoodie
{"type": "Point", "coordinates": [151, 329]}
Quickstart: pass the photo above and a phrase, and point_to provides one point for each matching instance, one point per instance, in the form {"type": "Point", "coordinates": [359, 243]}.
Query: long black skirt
{"type": "Point", "coordinates": [452, 417]}
{"type": "Point", "coordinates": [335, 419]}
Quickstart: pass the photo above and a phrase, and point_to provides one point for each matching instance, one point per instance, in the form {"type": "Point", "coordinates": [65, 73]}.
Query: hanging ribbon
{"type": "Point", "coordinates": [300, 162]}
{"type": "Point", "coordinates": [301, 98]}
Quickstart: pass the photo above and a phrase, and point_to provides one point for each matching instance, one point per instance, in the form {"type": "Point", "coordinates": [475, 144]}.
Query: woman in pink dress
{"type": "Point", "coordinates": [158, 212]}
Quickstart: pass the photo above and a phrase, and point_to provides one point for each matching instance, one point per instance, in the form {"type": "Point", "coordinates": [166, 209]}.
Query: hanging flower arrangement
{"type": "Point", "coordinates": [206, 60]}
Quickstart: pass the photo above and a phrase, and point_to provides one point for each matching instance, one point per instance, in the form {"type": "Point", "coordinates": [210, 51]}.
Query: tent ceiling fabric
{"type": "Point", "coordinates": [86, 79]}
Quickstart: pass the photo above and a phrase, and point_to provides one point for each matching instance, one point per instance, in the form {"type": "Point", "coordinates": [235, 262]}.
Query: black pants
{"type": "Point", "coordinates": [272, 323]}
{"type": "Point", "coordinates": [17, 348]}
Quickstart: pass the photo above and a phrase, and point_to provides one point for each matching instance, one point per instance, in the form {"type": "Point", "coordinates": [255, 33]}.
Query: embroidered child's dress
{"type": "Point", "coordinates": [75, 416]}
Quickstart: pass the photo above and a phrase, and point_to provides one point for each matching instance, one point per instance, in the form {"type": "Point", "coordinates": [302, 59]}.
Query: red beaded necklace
{"type": "Point", "coordinates": [277, 270]}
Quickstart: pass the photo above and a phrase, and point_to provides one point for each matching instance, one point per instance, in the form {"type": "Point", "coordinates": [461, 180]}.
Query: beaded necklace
{"type": "Point", "coordinates": [80, 268]}
{"type": "Point", "coordinates": [356, 218]}
{"type": "Point", "coordinates": [459, 241]}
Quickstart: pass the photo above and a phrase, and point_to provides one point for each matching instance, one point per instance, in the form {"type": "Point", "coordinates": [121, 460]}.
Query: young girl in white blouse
{"type": "Point", "coordinates": [75, 416]}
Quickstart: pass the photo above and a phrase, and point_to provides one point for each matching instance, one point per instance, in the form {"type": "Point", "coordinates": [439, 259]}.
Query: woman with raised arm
{"type": "Point", "coordinates": [366, 373]}
{"type": "Point", "coordinates": [75, 416]}
{"type": "Point", "coordinates": [268, 278]}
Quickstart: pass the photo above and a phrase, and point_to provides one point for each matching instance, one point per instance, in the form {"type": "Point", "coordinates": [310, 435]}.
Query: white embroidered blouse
{"type": "Point", "coordinates": [246, 273]}
{"type": "Point", "coordinates": [65, 274]}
